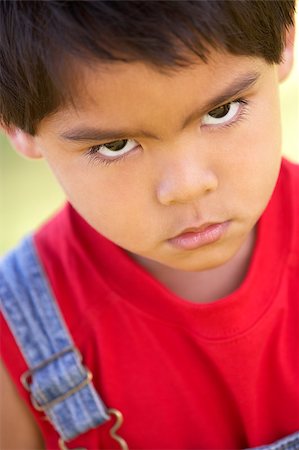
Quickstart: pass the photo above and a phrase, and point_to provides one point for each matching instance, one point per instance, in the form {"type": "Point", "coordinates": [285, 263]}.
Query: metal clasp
{"type": "Point", "coordinates": [28, 374]}
{"type": "Point", "coordinates": [87, 379]}
{"type": "Point", "coordinates": [113, 432]}
{"type": "Point", "coordinates": [118, 423]}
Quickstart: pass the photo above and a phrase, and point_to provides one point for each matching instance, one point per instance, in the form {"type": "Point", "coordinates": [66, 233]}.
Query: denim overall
{"type": "Point", "coordinates": [59, 384]}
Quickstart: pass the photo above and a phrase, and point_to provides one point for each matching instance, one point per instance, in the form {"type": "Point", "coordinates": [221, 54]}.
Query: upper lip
{"type": "Point", "coordinates": [196, 229]}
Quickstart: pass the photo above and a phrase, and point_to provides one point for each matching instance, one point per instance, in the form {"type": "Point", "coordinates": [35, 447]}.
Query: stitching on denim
{"type": "Point", "coordinates": [90, 404]}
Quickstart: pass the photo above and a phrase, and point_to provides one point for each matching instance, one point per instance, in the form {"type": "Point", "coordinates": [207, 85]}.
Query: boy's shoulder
{"type": "Point", "coordinates": [290, 172]}
{"type": "Point", "coordinates": [291, 168]}
{"type": "Point", "coordinates": [288, 185]}
{"type": "Point", "coordinates": [287, 199]}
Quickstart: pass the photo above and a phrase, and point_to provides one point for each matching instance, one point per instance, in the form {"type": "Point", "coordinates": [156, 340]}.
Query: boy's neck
{"type": "Point", "coordinates": [206, 286]}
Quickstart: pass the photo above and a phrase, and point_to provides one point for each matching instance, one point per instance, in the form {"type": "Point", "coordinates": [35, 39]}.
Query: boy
{"type": "Point", "coordinates": [175, 263]}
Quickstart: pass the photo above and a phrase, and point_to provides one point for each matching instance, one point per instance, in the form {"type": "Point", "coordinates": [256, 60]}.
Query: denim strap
{"type": "Point", "coordinates": [288, 443]}
{"type": "Point", "coordinates": [59, 384]}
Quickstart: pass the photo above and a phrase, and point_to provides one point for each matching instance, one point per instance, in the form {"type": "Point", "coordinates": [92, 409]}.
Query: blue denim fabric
{"type": "Point", "coordinates": [288, 443]}
{"type": "Point", "coordinates": [29, 308]}
{"type": "Point", "coordinates": [31, 311]}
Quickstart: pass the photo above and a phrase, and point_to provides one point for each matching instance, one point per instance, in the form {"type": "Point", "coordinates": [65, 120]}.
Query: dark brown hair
{"type": "Point", "coordinates": [38, 39]}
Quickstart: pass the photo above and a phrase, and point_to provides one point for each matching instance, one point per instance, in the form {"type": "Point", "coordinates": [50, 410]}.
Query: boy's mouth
{"type": "Point", "coordinates": [194, 237]}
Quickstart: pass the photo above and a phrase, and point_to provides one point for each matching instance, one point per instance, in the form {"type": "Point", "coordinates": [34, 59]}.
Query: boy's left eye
{"type": "Point", "coordinates": [222, 114]}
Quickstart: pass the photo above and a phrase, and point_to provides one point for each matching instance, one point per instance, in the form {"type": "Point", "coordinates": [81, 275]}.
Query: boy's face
{"type": "Point", "coordinates": [189, 161]}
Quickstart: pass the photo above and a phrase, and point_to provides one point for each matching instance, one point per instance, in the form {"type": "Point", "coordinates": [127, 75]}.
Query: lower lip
{"type": "Point", "coordinates": [194, 240]}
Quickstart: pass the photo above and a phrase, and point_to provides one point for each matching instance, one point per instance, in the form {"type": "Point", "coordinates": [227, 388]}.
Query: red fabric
{"type": "Point", "coordinates": [185, 376]}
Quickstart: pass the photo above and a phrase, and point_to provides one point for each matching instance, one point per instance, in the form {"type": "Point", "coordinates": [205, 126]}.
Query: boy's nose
{"type": "Point", "coordinates": [185, 180]}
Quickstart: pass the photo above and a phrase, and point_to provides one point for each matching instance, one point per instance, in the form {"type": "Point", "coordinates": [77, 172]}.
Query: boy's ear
{"type": "Point", "coordinates": [24, 143]}
{"type": "Point", "coordinates": [286, 64]}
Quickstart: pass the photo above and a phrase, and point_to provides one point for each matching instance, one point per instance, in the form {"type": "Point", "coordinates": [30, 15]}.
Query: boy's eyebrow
{"type": "Point", "coordinates": [98, 134]}
{"type": "Point", "coordinates": [238, 86]}
{"type": "Point", "coordinates": [235, 89]}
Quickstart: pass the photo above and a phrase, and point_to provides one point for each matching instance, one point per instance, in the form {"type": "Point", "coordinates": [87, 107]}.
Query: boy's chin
{"type": "Point", "coordinates": [186, 263]}
{"type": "Point", "coordinates": [197, 265]}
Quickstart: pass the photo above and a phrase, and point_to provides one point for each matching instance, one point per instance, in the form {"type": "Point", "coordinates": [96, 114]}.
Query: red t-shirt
{"type": "Point", "coordinates": [223, 375]}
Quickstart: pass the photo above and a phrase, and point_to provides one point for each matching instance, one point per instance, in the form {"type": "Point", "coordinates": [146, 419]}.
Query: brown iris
{"type": "Point", "coordinates": [116, 145]}
{"type": "Point", "coordinates": [220, 112]}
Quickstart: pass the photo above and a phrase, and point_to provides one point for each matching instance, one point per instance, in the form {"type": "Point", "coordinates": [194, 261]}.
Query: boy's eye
{"type": "Point", "coordinates": [115, 148]}
{"type": "Point", "coordinates": [223, 114]}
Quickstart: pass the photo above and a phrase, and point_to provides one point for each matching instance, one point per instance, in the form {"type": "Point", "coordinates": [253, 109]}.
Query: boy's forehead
{"type": "Point", "coordinates": [125, 92]}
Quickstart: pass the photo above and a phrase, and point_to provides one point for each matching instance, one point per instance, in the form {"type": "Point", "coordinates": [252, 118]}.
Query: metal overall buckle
{"type": "Point", "coordinates": [25, 377]}
{"type": "Point", "coordinates": [87, 379]}
{"type": "Point", "coordinates": [113, 432]}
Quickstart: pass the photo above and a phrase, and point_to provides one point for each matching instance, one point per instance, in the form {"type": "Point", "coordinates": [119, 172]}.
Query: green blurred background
{"type": "Point", "coordinates": [29, 194]}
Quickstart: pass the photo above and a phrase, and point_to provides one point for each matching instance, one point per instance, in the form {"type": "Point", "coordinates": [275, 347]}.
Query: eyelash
{"type": "Point", "coordinates": [240, 116]}
{"type": "Point", "coordinates": [96, 158]}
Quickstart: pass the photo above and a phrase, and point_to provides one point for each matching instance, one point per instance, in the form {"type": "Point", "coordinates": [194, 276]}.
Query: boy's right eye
{"type": "Point", "coordinates": [116, 146]}
{"type": "Point", "coordinates": [115, 149]}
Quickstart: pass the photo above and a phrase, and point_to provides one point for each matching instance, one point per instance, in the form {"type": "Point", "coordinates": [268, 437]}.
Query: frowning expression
{"type": "Point", "coordinates": [174, 167]}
